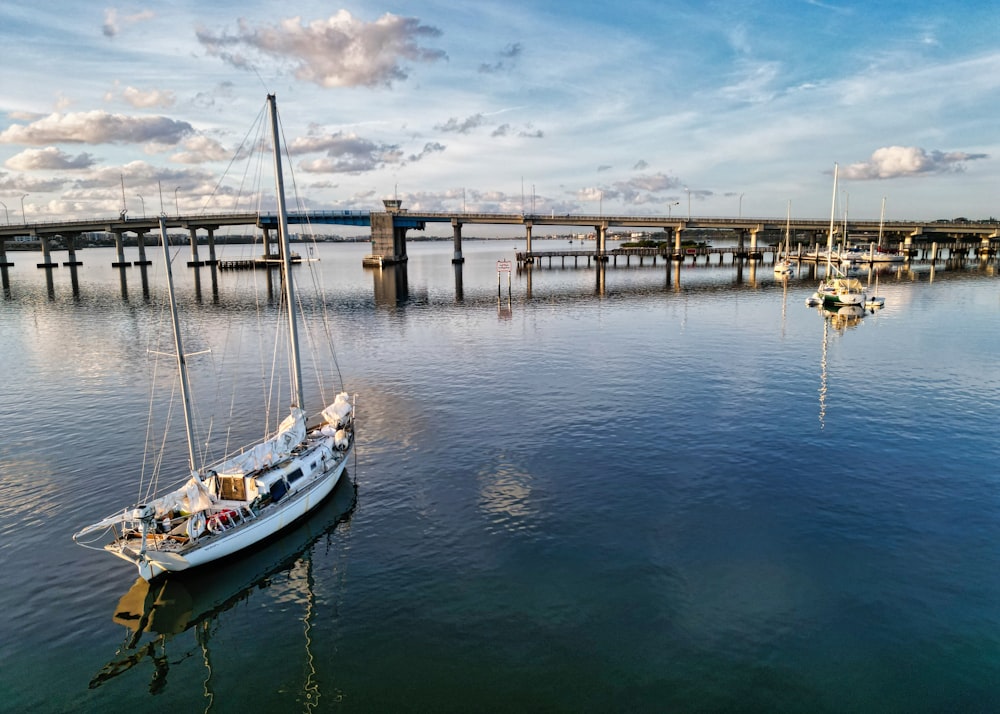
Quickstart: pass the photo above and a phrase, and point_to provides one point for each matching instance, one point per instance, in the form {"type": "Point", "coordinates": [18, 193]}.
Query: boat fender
{"type": "Point", "coordinates": [196, 525]}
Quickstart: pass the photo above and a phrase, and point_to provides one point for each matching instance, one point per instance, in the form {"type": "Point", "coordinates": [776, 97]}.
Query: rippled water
{"type": "Point", "coordinates": [645, 490]}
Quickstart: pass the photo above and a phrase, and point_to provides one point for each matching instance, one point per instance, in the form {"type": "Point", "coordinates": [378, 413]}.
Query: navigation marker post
{"type": "Point", "coordinates": [503, 266]}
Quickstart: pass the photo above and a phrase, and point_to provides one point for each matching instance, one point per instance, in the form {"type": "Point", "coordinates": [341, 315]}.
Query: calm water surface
{"type": "Point", "coordinates": [637, 491]}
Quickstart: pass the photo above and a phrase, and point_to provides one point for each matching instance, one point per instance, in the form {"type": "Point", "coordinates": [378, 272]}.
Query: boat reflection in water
{"type": "Point", "coordinates": [844, 317]}
{"type": "Point", "coordinates": [167, 607]}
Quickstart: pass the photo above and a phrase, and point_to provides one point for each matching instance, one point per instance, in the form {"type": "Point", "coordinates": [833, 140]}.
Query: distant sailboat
{"type": "Point", "coordinates": [836, 289]}
{"type": "Point", "coordinates": [783, 266]}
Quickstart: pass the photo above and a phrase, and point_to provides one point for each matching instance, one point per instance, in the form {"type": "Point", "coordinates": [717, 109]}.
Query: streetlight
{"type": "Point", "coordinates": [177, 205]}
{"type": "Point", "coordinates": [5, 212]}
{"type": "Point", "coordinates": [689, 201]}
{"type": "Point", "coordinates": [741, 206]}
{"type": "Point", "coordinates": [143, 205]}
{"type": "Point", "coordinates": [23, 218]}
{"type": "Point", "coordinates": [670, 207]}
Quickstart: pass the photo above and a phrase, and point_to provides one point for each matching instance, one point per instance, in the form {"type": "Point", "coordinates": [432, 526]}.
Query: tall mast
{"type": "Point", "coordinates": [181, 362]}
{"type": "Point", "coordinates": [833, 210]}
{"type": "Point", "coordinates": [286, 261]}
{"type": "Point", "coordinates": [881, 222]}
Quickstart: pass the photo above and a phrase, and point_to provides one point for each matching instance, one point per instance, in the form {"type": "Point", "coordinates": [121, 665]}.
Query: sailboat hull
{"type": "Point", "coordinates": [166, 555]}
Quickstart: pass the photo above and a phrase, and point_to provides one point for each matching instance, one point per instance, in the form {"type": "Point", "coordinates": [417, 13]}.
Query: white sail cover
{"type": "Point", "coordinates": [192, 497]}
{"type": "Point", "coordinates": [291, 433]}
{"type": "Point", "coordinates": [338, 412]}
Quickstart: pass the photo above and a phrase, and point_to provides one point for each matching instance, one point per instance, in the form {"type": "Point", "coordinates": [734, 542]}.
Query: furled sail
{"type": "Point", "coordinates": [291, 433]}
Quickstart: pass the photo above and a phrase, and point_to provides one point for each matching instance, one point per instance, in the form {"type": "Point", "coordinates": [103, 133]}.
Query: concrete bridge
{"type": "Point", "coordinates": [389, 228]}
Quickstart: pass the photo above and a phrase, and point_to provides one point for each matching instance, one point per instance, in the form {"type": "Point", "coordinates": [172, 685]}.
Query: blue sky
{"type": "Point", "coordinates": [644, 107]}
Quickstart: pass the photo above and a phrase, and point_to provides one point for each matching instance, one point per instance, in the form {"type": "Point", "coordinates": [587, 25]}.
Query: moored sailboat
{"type": "Point", "coordinates": [229, 505]}
{"type": "Point", "coordinates": [783, 265]}
{"type": "Point", "coordinates": [836, 289]}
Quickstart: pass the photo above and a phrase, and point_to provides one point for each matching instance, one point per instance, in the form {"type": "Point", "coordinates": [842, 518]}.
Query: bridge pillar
{"type": "Point", "coordinates": [754, 253]}
{"type": "Point", "coordinates": [46, 253]}
{"type": "Point", "coordinates": [120, 249]}
{"type": "Point", "coordinates": [456, 231]}
{"type": "Point", "coordinates": [71, 252]}
{"type": "Point", "coordinates": [194, 262]}
{"type": "Point", "coordinates": [388, 240]}
{"type": "Point", "coordinates": [267, 241]}
{"type": "Point", "coordinates": [678, 255]}
{"type": "Point", "coordinates": [3, 255]}
{"type": "Point", "coordinates": [211, 244]}
{"type": "Point", "coordinates": [601, 234]}
{"type": "Point", "coordinates": [140, 238]}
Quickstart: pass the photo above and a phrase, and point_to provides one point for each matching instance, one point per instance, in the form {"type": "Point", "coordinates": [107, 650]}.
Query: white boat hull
{"type": "Point", "coordinates": [210, 547]}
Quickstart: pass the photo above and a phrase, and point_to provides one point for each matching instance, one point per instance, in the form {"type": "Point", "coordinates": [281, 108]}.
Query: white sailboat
{"type": "Point", "coordinates": [783, 266]}
{"type": "Point", "coordinates": [836, 289]}
{"type": "Point", "coordinates": [227, 506]}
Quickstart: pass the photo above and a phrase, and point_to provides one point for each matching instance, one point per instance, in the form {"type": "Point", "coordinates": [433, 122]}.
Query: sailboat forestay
{"type": "Point", "coordinates": [230, 505]}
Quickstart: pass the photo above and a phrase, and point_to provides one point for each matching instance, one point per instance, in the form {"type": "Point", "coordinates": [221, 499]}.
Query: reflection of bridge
{"type": "Point", "coordinates": [389, 227]}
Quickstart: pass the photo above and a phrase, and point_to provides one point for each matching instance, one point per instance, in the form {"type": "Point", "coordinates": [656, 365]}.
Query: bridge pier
{"type": "Point", "coordinates": [601, 233]}
{"type": "Point", "coordinates": [211, 244]}
{"type": "Point", "coordinates": [456, 230]}
{"type": "Point", "coordinates": [140, 239]}
{"type": "Point", "coordinates": [46, 263]}
{"type": "Point", "coordinates": [754, 253]}
{"type": "Point", "coordinates": [194, 262]}
{"type": "Point", "coordinates": [71, 260]}
{"type": "Point", "coordinates": [120, 249]}
{"type": "Point", "coordinates": [3, 255]}
{"type": "Point", "coordinates": [527, 233]}
{"type": "Point", "coordinates": [678, 255]}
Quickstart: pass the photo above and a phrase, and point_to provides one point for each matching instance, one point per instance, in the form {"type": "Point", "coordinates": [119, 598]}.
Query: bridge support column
{"type": "Point", "coordinates": [527, 235]}
{"type": "Point", "coordinates": [194, 262]}
{"type": "Point", "coordinates": [456, 233]}
{"type": "Point", "coordinates": [601, 234]}
{"type": "Point", "coordinates": [267, 241]}
{"type": "Point", "coordinates": [754, 253]}
{"type": "Point", "coordinates": [71, 252]}
{"type": "Point", "coordinates": [140, 239]}
{"type": "Point", "coordinates": [3, 254]}
{"type": "Point", "coordinates": [984, 247]}
{"type": "Point", "coordinates": [46, 263]}
{"type": "Point", "coordinates": [120, 248]}
{"type": "Point", "coordinates": [907, 247]}
{"type": "Point", "coordinates": [678, 255]}
{"type": "Point", "coordinates": [211, 245]}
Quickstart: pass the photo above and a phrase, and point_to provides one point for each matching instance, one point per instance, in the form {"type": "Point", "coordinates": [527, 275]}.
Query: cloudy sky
{"type": "Point", "coordinates": [723, 108]}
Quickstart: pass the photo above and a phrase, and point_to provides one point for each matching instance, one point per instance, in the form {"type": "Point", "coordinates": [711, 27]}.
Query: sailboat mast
{"type": "Point", "coordinates": [881, 223]}
{"type": "Point", "coordinates": [286, 261]}
{"type": "Point", "coordinates": [788, 228]}
{"type": "Point", "coordinates": [833, 212]}
{"type": "Point", "coordinates": [181, 362]}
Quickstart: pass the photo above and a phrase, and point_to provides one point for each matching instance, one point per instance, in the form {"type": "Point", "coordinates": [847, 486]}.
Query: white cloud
{"type": "Point", "coordinates": [340, 51]}
{"type": "Point", "coordinates": [113, 23]}
{"type": "Point", "coordinates": [149, 98]}
{"type": "Point", "coordinates": [896, 161]}
{"type": "Point", "coordinates": [96, 127]}
{"type": "Point", "coordinates": [199, 149]}
{"type": "Point", "coordinates": [49, 158]}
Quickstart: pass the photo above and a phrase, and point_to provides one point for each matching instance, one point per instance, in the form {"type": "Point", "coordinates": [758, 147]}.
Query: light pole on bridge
{"type": "Point", "coordinates": [689, 201]}
{"type": "Point", "coordinates": [23, 217]}
{"type": "Point", "coordinates": [741, 206]}
{"type": "Point", "coordinates": [143, 205]}
{"type": "Point", "coordinates": [5, 212]}
{"type": "Point", "coordinates": [670, 207]}
{"type": "Point", "coordinates": [177, 205]}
